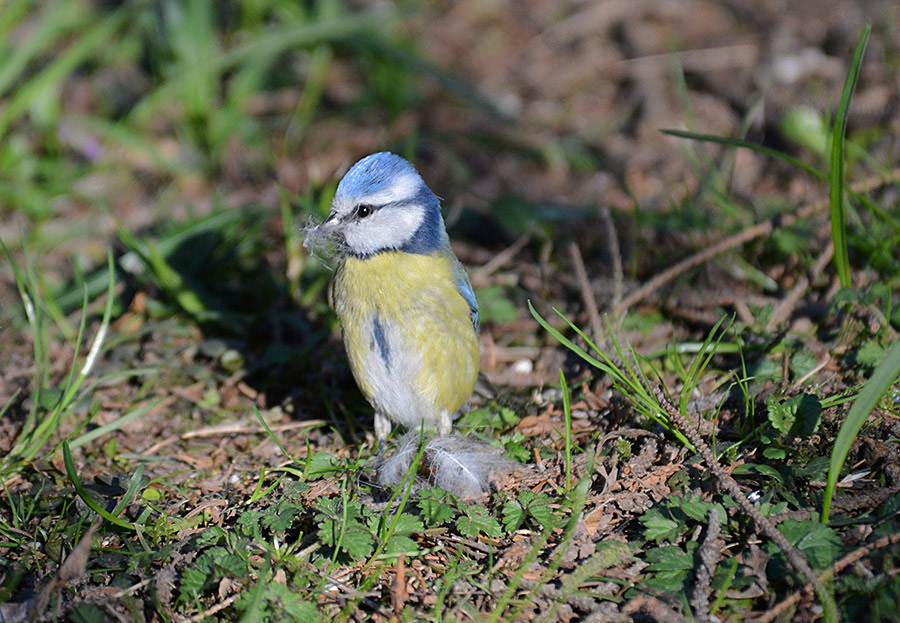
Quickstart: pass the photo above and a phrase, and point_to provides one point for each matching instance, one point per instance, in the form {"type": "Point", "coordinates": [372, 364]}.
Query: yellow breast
{"type": "Point", "coordinates": [408, 333]}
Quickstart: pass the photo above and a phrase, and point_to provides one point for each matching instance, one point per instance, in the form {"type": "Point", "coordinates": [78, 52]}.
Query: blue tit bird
{"type": "Point", "coordinates": [404, 301]}
{"type": "Point", "coordinates": [407, 312]}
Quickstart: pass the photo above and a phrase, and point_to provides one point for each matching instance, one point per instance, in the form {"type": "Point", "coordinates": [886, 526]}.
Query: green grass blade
{"type": "Point", "coordinates": [117, 134]}
{"type": "Point", "coordinates": [566, 341]}
{"type": "Point", "coordinates": [91, 40]}
{"type": "Point", "coordinates": [629, 380]}
{"type": "Point", "coordinates": [34, 319]}
{"type": "Point", "coordinates": [37, 430]}
{"type": "Point", "coordinates": [363, 26]}
{"type": "Point", "coordinates": [114, 425]}
{"type": "Point", "coordinates": [836, 173]}
{"type": "Point", "coordinates": [273, 436]}
{"type": "Point", "coordinates": [165, 245]}
{"type": "Point", "coordinates": [13, 13]}
{"type": "Point", "coordinates": [134, 483]}
{"type": "Point", "coordinates": [85, 496]}
{"type": "Point", "coordinates": [886, 374]}
{"type": "Point", "coordinates": [259, 492]}
{"type": "Point", "coordinates": [708, 350]}
{"type": "Point", "coordinates": [56, 21]}
{"type": "Point", "coordinates": [760, 149]}
{"type": "Point", "coordinates": [74, 384]}
{"type": "Point", "coordinates": [165, 276]}
{"type": "Point", "coordinates": [567, 412]}
{"type": "Point", "coordinates": [445, 80]}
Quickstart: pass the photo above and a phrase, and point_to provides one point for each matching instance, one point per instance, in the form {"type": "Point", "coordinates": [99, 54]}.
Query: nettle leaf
{"type": "Point", "coordinates": [513, 515]}
{"type": "Point", "coordinates": [293, 491]}
{"type": "Point", "coordinates": [285, 601]}
{"type": "Point", "coordinates": [668, 558]}
{"type": "Point", "coordinates": [87, 613]}
{"type": "Point", "coordinates": [819, 542]}
{"type": "Point", "coordinates": [798, 416]}
{"type": "Point", "coordinates": [434, 511]}
{"type": "Point", "coordinates": [542, 513]}
{"type": "Point", "coordinates": [801, 363]}
{"type": "Point", "coordinates": [210, 536]}
{"type": "Point", "coordinates": [282, 517]}
{"type": "Point", "coordinates": [321, 464]}
{"type": "Point", "coordinates": [401, 544]}
{"type": "Point", "coordinates": [809, 413]}
{"type": "Point", "coordinates": [231, 564]}
{"type": "Point", "coordinates": [477, 520]}
{"type": "Point", "coordinates": [358, 544]}
{"type": "Point", "coordinates": [330, 507]}
{"type": "Point", "coordinates": [815, 469]}
{"type": "Point", "coordinates": [770, 510]}
{"type": "Point", "coordinates": [333, 508]}
{"type": "Point", "coordinates": [515, 447]}
{"type": "Point", "coordinates": [407, 524]}
{"type": "Point", "coordinates": [249, 522]}
{"type": "Point", "coordinates": [498, 418]}
{"type": "Point", "coordinates": [757, 469]}
{"type": "Point", "coordinates": [659, 528]}
{"type": "Point", "coordinates": [193, 580]}
{"type": "Point", "coordinates": [869, 355]}
{"type": "Point", "coordinates": [781, 415]}
{"type": "Point", "coordinates": [356, 541]}
{"type": "Point", "coordinates": [329, 532]}
{"type": "Point", "coordinates": [697, 509]}
{"type": "Point", "coordinates": [528, 504]}
{"type": "Point", "coordinates": [665, 582]}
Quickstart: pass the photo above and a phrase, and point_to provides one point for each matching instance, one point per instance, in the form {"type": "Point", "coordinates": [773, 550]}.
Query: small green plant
{"type": "Point", "coordinates": [836, 165]}
{"type": "Point", "coordinates": [796, 417]}
{"type": "Point", "coordinates": [534, 509]}
{"type": "Point", "coordinates": [51, 404]}
{"type": "Point", "coordinates": [630, 379]}
{"type": "Point", "coordinates": [884, 377]}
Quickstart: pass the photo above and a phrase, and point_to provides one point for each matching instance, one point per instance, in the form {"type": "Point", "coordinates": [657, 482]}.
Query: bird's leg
{"type": "Point", "coordinates": [444, 423]}
{"type": "Point", "coordinates": [382, 430]}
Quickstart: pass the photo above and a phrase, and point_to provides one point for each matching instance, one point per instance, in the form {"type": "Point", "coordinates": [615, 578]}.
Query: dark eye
{"type": "Point", "coordinates": [363, 210]}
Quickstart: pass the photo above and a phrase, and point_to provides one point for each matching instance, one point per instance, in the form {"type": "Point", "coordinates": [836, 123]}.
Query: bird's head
{"type": "Point", "coordinates": [382, 204]}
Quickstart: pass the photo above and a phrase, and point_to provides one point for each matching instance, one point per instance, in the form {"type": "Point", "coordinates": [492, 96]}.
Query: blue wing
{"type": "Point", "coordinates": [464, 287]}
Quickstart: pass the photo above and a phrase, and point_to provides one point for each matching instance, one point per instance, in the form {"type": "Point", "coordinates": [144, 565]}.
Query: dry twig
{"type": "Point", "coordinates": [497, 262]}
{"type": "Point", "coordinates": [851, 558]}
{"type": "Point", "coordinates": [756, 231]}
{"type": "Point", "coordinates": [710, 552]}
{"type": "Point", "coordinates": [212, 609]}
{"type": "Point", "coordinates": [794, 557]}
{"type": "Point", "coordinates": [587, 293]}
{"type": "Point", "coordinates": [615, 254]}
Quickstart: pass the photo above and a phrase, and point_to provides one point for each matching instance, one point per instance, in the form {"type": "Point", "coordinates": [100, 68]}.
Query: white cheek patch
{"type": "Point", "coordinates": [387, 228]}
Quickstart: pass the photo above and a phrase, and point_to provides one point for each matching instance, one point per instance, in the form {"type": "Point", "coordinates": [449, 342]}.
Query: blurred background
{"type": "Point", "coordinates": [197, 138]}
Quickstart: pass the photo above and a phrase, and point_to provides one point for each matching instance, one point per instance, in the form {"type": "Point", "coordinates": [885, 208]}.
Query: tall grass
{"type": "Point", "coordinates": [836, 166]}
{"type": "Point", "coordinates": [887, 372]}
{"type": "Point", "coordinates": [51, 405]}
